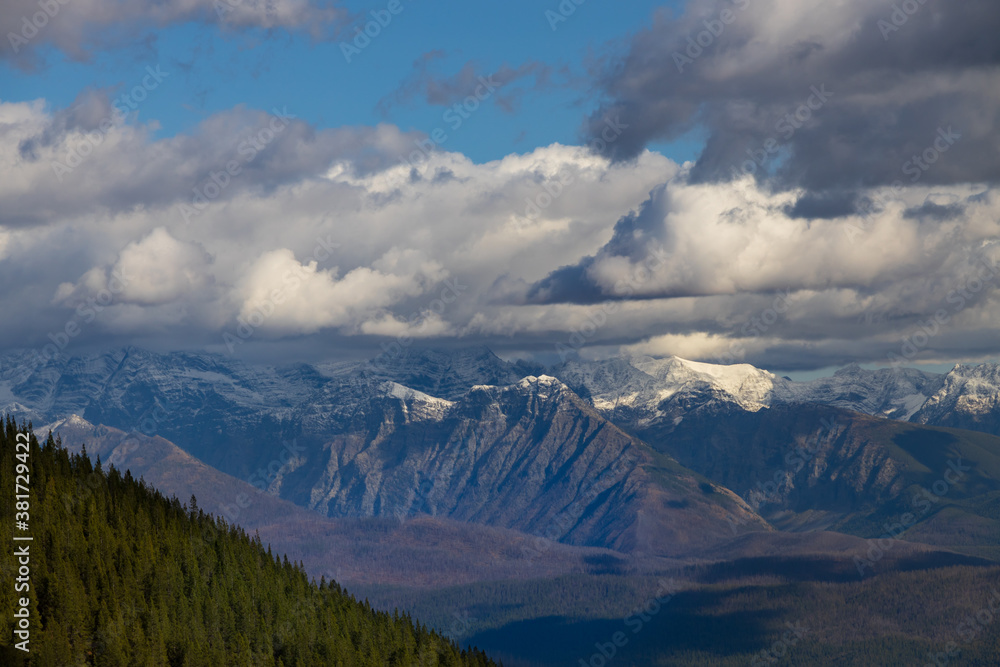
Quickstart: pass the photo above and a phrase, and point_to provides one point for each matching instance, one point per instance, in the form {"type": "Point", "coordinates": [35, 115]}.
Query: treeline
{"type": "Point", "coordinates": [757, 612]}
{"type": "Point", "coordinates": [122, 575]}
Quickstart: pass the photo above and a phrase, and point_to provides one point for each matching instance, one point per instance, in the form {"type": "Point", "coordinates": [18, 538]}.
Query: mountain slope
{"type": "Point", "coordinates": [531, 456]}
{"type": "Point", "coordinates": [129, 577]}
{"type": "Point", "coordinates": [418, 550]}
{"type": "Point", "coordinates": [810, 466]}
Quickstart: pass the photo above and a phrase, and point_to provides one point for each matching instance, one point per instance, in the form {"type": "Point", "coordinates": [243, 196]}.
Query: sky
{"type": "Point", "coordinates": [798, 185]}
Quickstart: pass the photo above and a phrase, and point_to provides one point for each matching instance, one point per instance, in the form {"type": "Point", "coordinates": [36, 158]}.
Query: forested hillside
{"type": "Point", "coordinates": [121, 575]}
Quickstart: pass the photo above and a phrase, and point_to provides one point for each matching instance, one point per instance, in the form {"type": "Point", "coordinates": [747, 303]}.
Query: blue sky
{"type": "Point", "coordinates": [212, 70]}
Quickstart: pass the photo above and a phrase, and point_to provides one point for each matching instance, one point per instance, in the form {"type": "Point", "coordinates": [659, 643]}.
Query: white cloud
{"type": "Point", "coordinates": [155, 270]}
{"type": "Point", "coordinates": [287, 296]}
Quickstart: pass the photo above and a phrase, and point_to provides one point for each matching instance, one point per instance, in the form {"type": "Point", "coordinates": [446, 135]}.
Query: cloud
{"type": "Point", "coordinates": [328, 241]}
{"type": "Point", "coordinates": [155, 270]}
{"type": "Point", "coordinates": [287, 296]}
{"type": "Point", "coordinates": [704, 239]}
{"type": "Point", "coordinates": [813, 94]}
{"type": "Point", "coordinates": [78, 28]}
{"type": "Point", "coordinates": [470, 81]}
{"type": "Point", "coordinates": [85, 160]}
{"type": "Point", "coordinates": [374, 245]}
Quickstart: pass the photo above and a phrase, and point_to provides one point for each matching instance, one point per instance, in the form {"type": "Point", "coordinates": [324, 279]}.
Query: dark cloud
{"type": "Point", "coordinates": [879, 101]}
{"type": "Point", "coordinates": [567, 284]}
{"type": "Point", "coordinates": [825, 205]}
{"type": "Point", "coordinates": [634, 235]}
{"type": "Point", "coordinates": [932, 211]}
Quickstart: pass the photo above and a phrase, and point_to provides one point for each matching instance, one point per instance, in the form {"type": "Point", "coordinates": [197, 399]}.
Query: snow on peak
{"type": "Point", "coordinates": [417, 403]}
{"type": "Point", "coordinates": [749, 386]}
{"type": "Point", "coordinates": [73, 420]}
{"type": "Point", "coordinates": [397, 390]}
{"type": "Point", "coordinates": [541, 382]}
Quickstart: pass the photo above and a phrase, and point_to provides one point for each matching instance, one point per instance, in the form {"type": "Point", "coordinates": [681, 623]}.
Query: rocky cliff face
{"type": "Point", "coordinates": [531, 456]}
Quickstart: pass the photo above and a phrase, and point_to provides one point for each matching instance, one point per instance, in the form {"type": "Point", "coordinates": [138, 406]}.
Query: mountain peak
{"type": "Point", "coordinates": [540, 384]}
{"type": "Point", "coordinates": [849, 370]}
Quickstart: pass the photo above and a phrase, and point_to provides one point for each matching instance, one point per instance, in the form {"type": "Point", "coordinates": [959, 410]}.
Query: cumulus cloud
{"type": "Point", "coordinates": [288, 296]}
{"type": "Point", "coordinates": [155, 270]}
{"type": "Point", "coordinates": [822, 95]}
{"type": "Point", "coordinates": [372, 244]}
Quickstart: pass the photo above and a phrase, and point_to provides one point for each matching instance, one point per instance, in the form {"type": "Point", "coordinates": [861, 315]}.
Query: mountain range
{"type": "Point", "coordinates": [645, 456]}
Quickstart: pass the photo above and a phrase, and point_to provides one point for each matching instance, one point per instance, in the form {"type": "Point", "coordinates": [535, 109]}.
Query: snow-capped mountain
{"type": "Point", "coordinates": [470, 437]}
{"type": "Point", "coordinates": [967, 397]}
{"type": "Point", "coordinates": [530, 456]}
{"type": "Point", "coordinates": [639, 390]}
{"type": "Point", "coordinates": [887, 392]}
{"type": "Point", "coordinates": [175, 393]}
